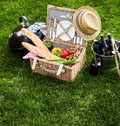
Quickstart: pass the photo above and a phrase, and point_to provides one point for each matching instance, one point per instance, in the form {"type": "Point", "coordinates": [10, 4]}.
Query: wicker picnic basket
{"type": "Point", "coordinates": [55, 15]}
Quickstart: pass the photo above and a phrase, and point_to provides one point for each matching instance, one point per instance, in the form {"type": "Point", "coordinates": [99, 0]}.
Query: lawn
{"type": "Point", "coordinates": [29, 99]}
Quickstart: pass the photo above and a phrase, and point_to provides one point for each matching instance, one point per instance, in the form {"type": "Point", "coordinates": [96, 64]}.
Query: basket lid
{"type": "Point", "coordinates": [60, 28]}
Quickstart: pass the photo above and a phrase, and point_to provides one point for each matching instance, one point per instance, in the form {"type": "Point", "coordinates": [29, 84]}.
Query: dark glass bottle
{"type": "Point", "coordinates": [95, 66]}
{"type": "Point", "coordinates": [96, 46]}
{"type": "Point", "coordinates": [110, 48]}
{"type": "Point", "coordinates": [100, 48]}
{"type": "Point", "coordinates": [104, 45]}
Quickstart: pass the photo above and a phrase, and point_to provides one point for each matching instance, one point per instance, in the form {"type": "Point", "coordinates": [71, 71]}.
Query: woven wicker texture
{"type": "Point", "coordinates": [48, 68]}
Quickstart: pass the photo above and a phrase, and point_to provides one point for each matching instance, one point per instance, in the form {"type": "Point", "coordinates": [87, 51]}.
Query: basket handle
{"type": "Point", "coordinates": [58, 72]}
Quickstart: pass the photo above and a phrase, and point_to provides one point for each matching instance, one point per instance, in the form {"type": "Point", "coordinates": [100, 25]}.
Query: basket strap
{"type": "Point", "coordinates": [58, 72]}
{"type": "Point", "coordinates": [34, 63]}
{"type": "Point", "coordinates": [59, 69]}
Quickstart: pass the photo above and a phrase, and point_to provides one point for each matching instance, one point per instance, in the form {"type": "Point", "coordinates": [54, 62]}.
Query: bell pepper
{"type": "Point", "coordinates": [56, 51]}
{"type": "Point", "coordinates": [65, 53]}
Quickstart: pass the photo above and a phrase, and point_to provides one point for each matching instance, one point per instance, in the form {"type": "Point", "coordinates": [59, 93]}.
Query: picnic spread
{"type": "Point", "coordinates": [57, 48]}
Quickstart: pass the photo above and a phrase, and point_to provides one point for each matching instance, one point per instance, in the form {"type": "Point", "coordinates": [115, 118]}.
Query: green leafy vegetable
{"type": "Point", "coordinates": [49, 45]}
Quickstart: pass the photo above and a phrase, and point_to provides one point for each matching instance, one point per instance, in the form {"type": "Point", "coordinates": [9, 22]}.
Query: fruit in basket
{"type": "Point", "coordinates": [56, 51]}
{"type": "Point", "coordinates": [49, 45]}
{"type": "Point", "coordinates": [65, 53]}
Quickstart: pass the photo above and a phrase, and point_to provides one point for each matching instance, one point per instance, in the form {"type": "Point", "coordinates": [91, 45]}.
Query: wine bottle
{"type": "Point", "coordinates": [95, 66]}
{"type": "Point", "coordinates": [104, 45]}
{"type": "Point", "coordinates": [95, 46]}
{"type": "Point", "coordinates": [110, 48]}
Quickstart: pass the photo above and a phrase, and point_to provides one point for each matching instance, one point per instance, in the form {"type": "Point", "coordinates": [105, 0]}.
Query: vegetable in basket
{"type": "Point", "coordinates": [49, 45]}
{"type": "Point", "coordinates": [56, 51]}
{"type": "Point", "coordinates": [64, 61]}
{"type": "Point", "coordinates": [65, 53]}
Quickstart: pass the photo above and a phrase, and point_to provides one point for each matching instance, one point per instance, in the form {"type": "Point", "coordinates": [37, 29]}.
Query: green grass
{"type": "Point", "coordinates": [29, 99]}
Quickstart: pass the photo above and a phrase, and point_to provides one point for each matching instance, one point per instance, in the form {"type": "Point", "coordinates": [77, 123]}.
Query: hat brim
{"type": "Point", "coordinates": [85, 36]}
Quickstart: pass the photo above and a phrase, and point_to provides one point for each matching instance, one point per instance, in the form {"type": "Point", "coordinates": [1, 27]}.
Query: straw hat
{"type": "Point", "coordinates": [87, 22]}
